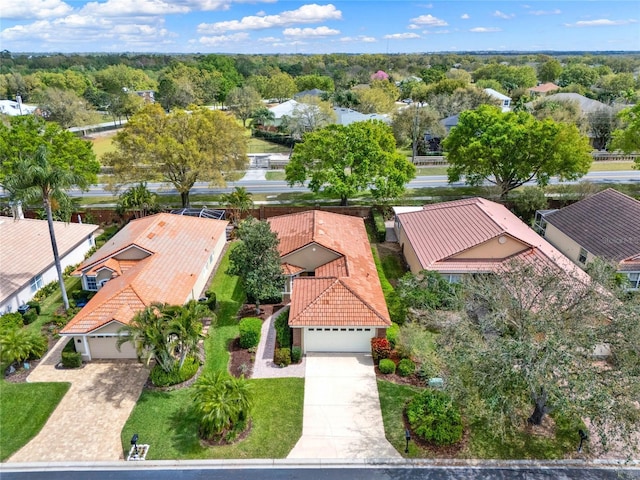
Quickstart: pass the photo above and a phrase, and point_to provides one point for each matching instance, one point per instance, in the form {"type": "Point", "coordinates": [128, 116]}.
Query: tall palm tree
{"type": "Point", "coordinates": [221, 403]}
{"type": "Point", "coordinates": [35, 177]}
{"type": "Point", "coordinates": [185, 328]}
{"type": "Point", "coordinates": [239, 202]}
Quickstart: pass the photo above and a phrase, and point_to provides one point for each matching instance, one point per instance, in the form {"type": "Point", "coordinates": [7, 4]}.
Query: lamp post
{"type": "Point", "coordinates": [134, 442]}
{"type": "Point", "coordinates": [407, 437]}
{"type": "Point", "coordinates": [583, 437]}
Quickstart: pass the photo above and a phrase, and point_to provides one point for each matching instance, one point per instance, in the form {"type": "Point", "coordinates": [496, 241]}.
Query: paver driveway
{"type": "Point", "coordinates": [342, 417]}
{"type": "Point", "coordinates": [87, 423]}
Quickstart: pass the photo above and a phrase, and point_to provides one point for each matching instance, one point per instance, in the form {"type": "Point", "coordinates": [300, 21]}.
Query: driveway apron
{"type": "Point", "coordinates": [342, 417]}
{"type": "Point", "coordinates": [86, 424]}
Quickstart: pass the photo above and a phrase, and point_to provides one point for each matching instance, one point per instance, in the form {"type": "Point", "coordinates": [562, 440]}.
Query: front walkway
{"type": "Point", "coordinates": [342, 417]}
{"type": "Point", "coordinates": [87, 422]}
{"type": "Point", "coordinates": [264, 367]}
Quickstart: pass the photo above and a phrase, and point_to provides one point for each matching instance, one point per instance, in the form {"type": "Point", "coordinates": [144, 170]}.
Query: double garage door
{"type": "Point", "coordinates": [338, 339]}
{"type": "Point", "coordinates": [104, 346]}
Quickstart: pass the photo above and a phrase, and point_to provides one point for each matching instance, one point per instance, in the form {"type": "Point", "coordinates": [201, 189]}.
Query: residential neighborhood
{"type": "Point", "coordinates": [387, 259]}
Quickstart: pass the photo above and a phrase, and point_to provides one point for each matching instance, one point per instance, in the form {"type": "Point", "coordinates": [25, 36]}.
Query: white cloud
{"type": "Point", "coordinates": [465, 16]}
{"type": "Point", "coordinates": [124, 8]}
{"type": "Point", "coordinates": [413, 26]}
{"type": "Point", "coordinates": [602, 22]}
{"type": "Point", "coordinates": [545, 12]}
{"type": "Point", "coordinates": [312, 13]}
{"type": "Point", "coordinates": [435, 32]}
{"type": "Point", "coordinates": [310, 32]}
{"type": "Point", "coordinates": [429, 20]}
{"type": "Point", "coordinates": [40, 9]}
{"type": "Point", "coordinates": [505, 16]}
{"type": "Point", "coordinates": [401, 36]}
{"type": "Point", "coordinates": [359, 38]}
{"type": "Point", "coordinates": [224, 39]}
{"type": "Point", "coordinates": [485, 29]}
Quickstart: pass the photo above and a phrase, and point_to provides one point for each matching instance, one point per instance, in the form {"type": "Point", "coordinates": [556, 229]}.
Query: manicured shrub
{"type": "Point", "coordinates": [283, 331]}
{"type": "Point", "coordinates": [71, 360]}
{"type": "Point", "coordinates": [282, 357]}
{"type": "Point", "coordinates": [250, 332]}
{"type": "Point", "coordinates": [378, 223]}
{"type": "Point", "coordinates": [380, 348]}
{"type": "Point", "coordinates": [212, 300]}
{"type": "Point", "coordinates": [160, 378]}
{"type": "Point", "coordinates": [387, 366]}
{"type": "Point", "coordinates": [406, 367]}
{"type": "Point", "coordinates": [392, 334]}
{"type": "Point", "coordinates": [296, 354]}
{"type": "Point", "coordinates": [35, 306]}
{"type": "Point", "coordinates": [9, 321]}
{"type": "Point", "coordinates": [30, 316]}
{"type": "Point", "coordinates": [434, 418]}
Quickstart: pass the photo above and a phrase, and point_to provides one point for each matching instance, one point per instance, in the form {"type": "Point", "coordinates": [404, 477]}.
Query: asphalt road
{"type": "Point", "coordinates": [338, 473]}
{"type": "Point", "coordinates": [277, 186]}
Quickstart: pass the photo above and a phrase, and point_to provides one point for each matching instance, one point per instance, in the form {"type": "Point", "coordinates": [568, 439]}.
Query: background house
{"type": "Point", "coordinates": [161, 258]}
{"type": "Point", "coordinates": [472, 236]}
{"type": "Point", "coordinates": [605, 225]}
{"type": "Point", "coordinates": [26, 256]}
{"type": "Point", "coordinates": [337, 304]}
{"type": "Point", "coordinates": [505, 101]}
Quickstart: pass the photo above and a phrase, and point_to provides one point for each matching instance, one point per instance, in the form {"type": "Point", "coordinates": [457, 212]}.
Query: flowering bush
{"type": "Point", "coordinates": [380, 348]}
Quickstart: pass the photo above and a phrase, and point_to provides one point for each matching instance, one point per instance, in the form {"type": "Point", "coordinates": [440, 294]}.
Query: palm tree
{"type": "Point", "coordinates": [137, 199]}
{"type": "Point", "coordinates": [221, 403]}
{"type": "Point", "coordinates": [19, 344]}
{"type": "Point", "coordinates": [35, 177]}
{"type": "Point", "coordinates": [239, 202]}
{"type": "Point", "coordinates": [262, 116]}
{"type": "Point", "coordinates": [185, 328]}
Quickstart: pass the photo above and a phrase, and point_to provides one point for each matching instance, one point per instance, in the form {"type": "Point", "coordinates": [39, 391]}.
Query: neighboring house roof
{"type": "Point", "coordinates": [344, 291]}
{"type": "Point", "coordinates": [284, 109]}
{"type": "Point", "coordinates": [587, 105]}
{"type": "Point", "coordinates": [347, 116]}
{"type": "Point", "coordinates": [606, 224]}
{"type": "Point", "coordinates": [439, 233]}
{"type": "Point", "coordinates": [25, 249]}
{"type": "Point", "coordinates": [174, 248]}
{"type": "Point", "coordinates": [545, 88]}
{"type": "Point", "coordinates": [496, 94]}
{"type": "Point", "coordinates": [14, 109]}
{"type": "Point", "coordinates": [315, 92]}
{"type": "Point", "coordinates": [449, 122]}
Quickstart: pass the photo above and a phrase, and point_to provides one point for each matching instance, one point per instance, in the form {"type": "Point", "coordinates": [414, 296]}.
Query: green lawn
{"type": "Point", "coordinates": [393, 398]}
{"type": "Point", "coordinates": [102, 144]}
{"type": "Point", "coordinates": [276, 175]}
{"type": "Point", "coordinates": [163, 419]}
{"type": "Point", "coordinates": [258, 145]}
{"type": "Point", "coordinates": [24, 409]}
{"type": "Point", "coordinates": [394, 304]}
{"type": "Point", "coordinates": [610, 166]}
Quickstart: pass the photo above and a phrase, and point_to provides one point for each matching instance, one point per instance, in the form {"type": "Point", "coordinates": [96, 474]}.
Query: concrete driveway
{"type": "Point", "coordinates": [342, 417]}
{"type": "Point", "coordinates": [87, 423]}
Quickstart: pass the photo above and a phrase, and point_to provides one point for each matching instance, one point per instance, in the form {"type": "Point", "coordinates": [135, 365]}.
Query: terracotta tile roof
{"type": "Point", "coordinates": [442, 231]}
{"type": "Point", "coordinates": [289, 269]}
{"type": "Point", "coordinates": [606, 224]}
{"type": "Point", "coordinates": [25, 249]}
{"type": "Point", "coordinates": [344, 282]}
{"type": "Point", "coordinates": [545, 87]}
{"type": "Point", "coordinates": [180, 246]}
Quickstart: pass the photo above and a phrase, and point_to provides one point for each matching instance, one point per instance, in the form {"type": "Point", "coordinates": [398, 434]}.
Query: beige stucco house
{"type": "Point", "coordinates": [605, 225]}
{"type": "Point", "coordinates": [472, 236]}
{"type": "Point", "coordinates": [337, 304]}
{"type": "Point", "coordinates": [161, 258]}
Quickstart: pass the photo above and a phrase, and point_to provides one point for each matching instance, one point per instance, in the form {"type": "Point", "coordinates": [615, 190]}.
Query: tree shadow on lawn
{"type": "Point", "coordinates": [184, 426]}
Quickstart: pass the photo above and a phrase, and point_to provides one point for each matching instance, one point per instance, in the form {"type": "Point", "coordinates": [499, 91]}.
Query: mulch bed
{"type": "Point", "coordinates": [241, 361]}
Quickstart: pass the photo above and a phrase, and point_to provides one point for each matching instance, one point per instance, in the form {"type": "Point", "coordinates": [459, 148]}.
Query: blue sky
{"type": "Point", "coordinates": [277, 26]}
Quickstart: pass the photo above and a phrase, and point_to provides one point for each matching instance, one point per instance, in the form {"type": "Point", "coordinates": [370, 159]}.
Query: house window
{"type": "Point", "coordinates": [91, 283]}
{"type": "Point", "coordinates": [36, 283]}
{"type": "Point", "coordinates": [634, 280]}
{"type": "Point", "coordinates": [540, 224]}
{"type": "Point", "coordinates": [582, 258]}
{"type": "Point", "coordinates": [453, 278]}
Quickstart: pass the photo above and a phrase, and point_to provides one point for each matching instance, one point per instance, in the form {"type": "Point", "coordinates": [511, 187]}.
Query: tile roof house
{"type": "Point", "coordinates": [605, 225]}
{"type": "Point", "coordinates": [337, 304]}
{"type": "Point", "coordinates": [544, 88]}
{"type": "Point", "coordinates": [473, 236]}
{"type": "Point", "coordinates": [26, 256]}
{"type": "Point", "coordinates": [160, 258]}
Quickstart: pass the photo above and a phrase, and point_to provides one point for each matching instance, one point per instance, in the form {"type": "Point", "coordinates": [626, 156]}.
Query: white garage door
{"type": "Point", "coordinates": [102, 346]}
{"type": "Point", "coordinates": [338, 339]}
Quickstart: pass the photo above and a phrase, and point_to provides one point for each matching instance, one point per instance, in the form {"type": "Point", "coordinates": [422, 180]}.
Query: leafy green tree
{"type": "Point", "coordinates": [510, 149]}
{"type": "Point", "coordinates": [222, 405]}
{"type": "Point", "coordinates": [257, 261]}
{"type": "Point", "coordinates": [602, 123]}
{"type": "Point", "coordinates": [64, 107]}
{"type": "Point", "coordinates": [280, 86]}
{"type": "Point", "coordinates": [510, 77]}
{"type": "Point", "coordinates": [124, 104]}
{"type": "Point", "coordinates": [461, 99]}
{"type": "Point", "coordinates": [180, 148]}
{"type": "Point", "coordinates": [309, 82]}
{"type": "Point", "coordinates": [239, 202]}
{"type": "Point", "coordinates": [627, 139]}
{"type": "Point", "coordinates": [579, 74]}
{"type": "Point", "coordinates": [115, 78]}
{"type": "Point", "coordinates": [310, 114]}
{"type": "Point", "coordinates": [549, 71]}
{"type": "Point", "coordinates": [243, 102]}
{"type": "Point", "coordinates": [345, 98]}
{"type": "Point", "coordinates": [60, 161]}
{"type": "Point", "coordinates": [346, 160]}
{"type": "Point", "coordinates": [262, 117]}
{"type": "Point", "coordinates": [565, 111]}
{"type": "Point", "coordinates": [186, 328]}
{"type": "Point", "coordinates": [182, 85]}
{"type": "Point", "coordinates": [526, 348]}
{"type": "Point", "coordinates": [615, 86]}
{"type": "Point", "coordinates": [139, 200]}
{"type": "Point", "coordinates": [411, 123]}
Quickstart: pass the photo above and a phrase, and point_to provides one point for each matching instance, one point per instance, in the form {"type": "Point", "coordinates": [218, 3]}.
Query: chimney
{"type": "Point", "coordinates": [16, 210]}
